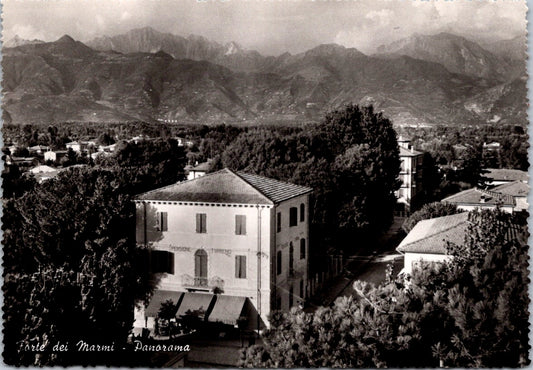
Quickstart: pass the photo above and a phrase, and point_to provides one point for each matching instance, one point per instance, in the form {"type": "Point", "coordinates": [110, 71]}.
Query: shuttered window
{"type": "Point", "coordinates": [162, 221]}
{"type": "Point", "coordinates": [302, 248]}
{"type": "Point", "coordinates": [200, 263]}
{"type": "Point", "coordinates": [240, 225]}
{"type": "Point", "coordinates": [201, 223]}
{"type": "Point", "coordinates": [278, 262]}
{"type": "Point", "coordinates": [240, 267]}
{"type": "Point", "coordinates": [163, 261]}
{"type": "Point", "coordinates": [291, 297]}
{"type": "Point", "coordinates": [279, 222]}
{"type": "Point", "coordinates": [302, 212]}
{"type": "Point", "coordinates": [293, 219]}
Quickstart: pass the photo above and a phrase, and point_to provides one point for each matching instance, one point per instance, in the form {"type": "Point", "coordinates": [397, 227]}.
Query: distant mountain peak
{"type": "Point", "coordinates": [65, 39]}
{"type": "Point", "coordinates": [19, 41]}
{"type": "Point", "coordinates": [232, 48]}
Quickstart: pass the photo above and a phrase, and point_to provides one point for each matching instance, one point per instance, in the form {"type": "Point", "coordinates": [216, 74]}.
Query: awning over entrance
{"type": "Point", "coordinates": [228, 309]}
{"type": "Point", "coordinates": [196, 303]}
{"type": "Point", "coordinates": [159, 297]}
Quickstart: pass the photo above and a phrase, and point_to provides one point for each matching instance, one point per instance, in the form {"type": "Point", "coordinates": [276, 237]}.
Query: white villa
{"type": "Point", "coordinates": [241, 236]}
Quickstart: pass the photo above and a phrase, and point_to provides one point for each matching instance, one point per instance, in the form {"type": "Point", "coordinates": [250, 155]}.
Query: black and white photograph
{"type": "Point", "coordinates": [265, 184]}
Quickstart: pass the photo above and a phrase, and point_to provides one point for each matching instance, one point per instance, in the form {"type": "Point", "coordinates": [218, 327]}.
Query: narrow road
{"type": "Point", "coordinates": [368, 267]}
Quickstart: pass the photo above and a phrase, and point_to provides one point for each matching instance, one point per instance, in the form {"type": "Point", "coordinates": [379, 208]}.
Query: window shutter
{"type": "Point", "coordinates": [170, 268]}
{"type": "Point", "coordinates": [237, 266]}
{"type": "Point", "coordinates": [164, 221]}
{"type": "Point", "coordinates": [197, 267]}
{"type": "Point", "coordinates": [198, 223]}
{"type": "Point", "coordinates": [243, 267]}
{"type": "Point", "coordinates": [158, 221]}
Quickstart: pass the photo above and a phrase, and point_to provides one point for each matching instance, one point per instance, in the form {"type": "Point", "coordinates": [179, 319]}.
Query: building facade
{"type": "Point", "coordinates": [471, 199]}
{"type": "Point", "coordinates": [410, 174]}
{"type": "Point", "coordinates": [229, 233]}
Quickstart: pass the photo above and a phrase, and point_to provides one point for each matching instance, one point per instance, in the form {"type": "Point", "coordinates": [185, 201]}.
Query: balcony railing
{"type": "Point", "coordinates": [201, 282]}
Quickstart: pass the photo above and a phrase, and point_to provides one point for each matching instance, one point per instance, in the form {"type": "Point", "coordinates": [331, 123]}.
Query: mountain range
{"type": "Point", "coordinates": [148, 75]}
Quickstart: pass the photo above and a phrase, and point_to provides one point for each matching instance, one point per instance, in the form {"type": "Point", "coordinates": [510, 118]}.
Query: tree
{"type": "Point", "coordinates": [351, 160]}
{"type": "Point", "coordinates": [70, 244]}
{"type": "Point", "coordinates": [431, 210]}
{"type": "Point", "coordinates": [469, 312]}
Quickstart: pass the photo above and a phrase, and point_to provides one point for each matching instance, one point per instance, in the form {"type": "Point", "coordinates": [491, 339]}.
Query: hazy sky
{"type": "Point", "coordinates": [269, 26]}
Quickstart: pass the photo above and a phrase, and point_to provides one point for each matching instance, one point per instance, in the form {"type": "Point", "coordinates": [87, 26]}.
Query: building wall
{"type": "Point", "coordinates": [412, 259]}
{"type": "Point", "coordinates": [410, 166]}
{"type": "Point", "coordinates": [283, 239]}
{"type": "Point", "coordinates": [470, 207]}
{"type": "Point", "coordinates": [222, 245]}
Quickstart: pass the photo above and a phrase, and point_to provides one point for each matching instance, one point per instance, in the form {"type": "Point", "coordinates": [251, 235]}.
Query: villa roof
{"type": "Point", "coordinates": [409, 153]}
{"type": "Point", "coordinates": [505, 174]}
{"type": "Point", "coordinates": [431, 236]}
{"type": "Point", "coordinates": [227, 186]}
{"type": "Point", "coordinates": [204, 166]}
{"type": "Point", "coordinates": [516, 189]}
{"type": "Point", "coordinates": [481, 197]}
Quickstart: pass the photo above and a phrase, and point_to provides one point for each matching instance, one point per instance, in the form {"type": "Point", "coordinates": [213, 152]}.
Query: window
{"type": "Point", "coordinates": [163, 261]}
{"type": "Point", "coordinates": [240, 267]}
{"type": "Point", "coordinates": [302, 248]}
{"type": "Point", "coordinates": [302, 212]}
{"type": "Point", "coordinates": [291, 259]}
{"type": "Point", "coordinates": [279, 222]}
{"type": "Point", "coordinates": [278, 262]}
{"type": "Point", "coordinates": [162, 221]}
{"type": "Point", "coordinates": [201, 220]}
{"type": "Point", "coordinates": [278, 302]}
{"type": "Point", "coordinates": [293, 219]}
{"type": "Point", "coordinates": [302, 293]}
{"type": "Point", "coordinates": [291, 296]}
{"type": "Point", "coordinates": [240, 225]}
{"type": "Point", "coordinates": [200, 264]}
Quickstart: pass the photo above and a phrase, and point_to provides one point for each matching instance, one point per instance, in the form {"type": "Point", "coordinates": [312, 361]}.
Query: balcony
{"type": "Point", "coordinates": [189, 281]}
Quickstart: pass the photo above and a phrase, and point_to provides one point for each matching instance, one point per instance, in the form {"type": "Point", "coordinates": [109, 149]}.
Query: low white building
{"type": "Point", "coordinates": [519, 190]}
{"type": "Point", "coordinates": [242, 236]}
{"type": "Point", "coordinates": [471, 199]}
{"type": "Point", "coordinates": [499, 176]}
{"type": "Point", "coordinates": [427, 241]}
{"type": "Point", "coordinates": [54, 155]}
{"type": "Point", "coordinates": [198, 170]}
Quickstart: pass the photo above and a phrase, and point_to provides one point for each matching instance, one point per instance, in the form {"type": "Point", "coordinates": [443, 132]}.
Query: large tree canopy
{"type": "Point", "coordinates": [351, 161]}
{"type": "Point", "coordinates": [471, 312]}
{"type": "Point", "coordinates": [72, 268]}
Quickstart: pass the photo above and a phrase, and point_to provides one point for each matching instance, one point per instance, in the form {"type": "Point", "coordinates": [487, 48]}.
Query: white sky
{"type": "Point", "coordinates": [269, 26]}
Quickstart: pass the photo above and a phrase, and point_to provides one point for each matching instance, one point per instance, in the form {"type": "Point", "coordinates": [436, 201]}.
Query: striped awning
{"type": "Point", "coordinates": [195, 302]}
{"type": "Point", "coordinates": [159, 297]}
{"type": "Point", "coordinates": [228, 309]}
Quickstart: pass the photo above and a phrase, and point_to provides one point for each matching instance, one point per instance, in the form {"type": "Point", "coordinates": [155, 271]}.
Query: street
{"type": "Point", "coordinates": [366, 266]}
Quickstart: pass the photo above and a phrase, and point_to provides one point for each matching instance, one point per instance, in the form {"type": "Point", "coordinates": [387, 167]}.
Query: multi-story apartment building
{"type": "Point", "coordinates": [410, 173]}
{"type": "Point", "coordinates": [228, 234]}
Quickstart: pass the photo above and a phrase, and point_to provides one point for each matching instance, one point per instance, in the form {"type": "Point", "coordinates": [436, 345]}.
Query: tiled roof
{"type": "Point", "coordinates": [505, 174]}
{"type": "Point", "coordinates": [408, 153]}
{"type": "Point", "coordinates": [276, 191]}
{"type": "Point", "coordinates": [480, 197]}
{"type": "Point", "coordinates": [204, 166]}
{"type": "Point", "coordinates": [226, 186]}
{"type": "Point", "coordinates": [515, 189]}
{"type": "Point", "coordinates": [431, 236]}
